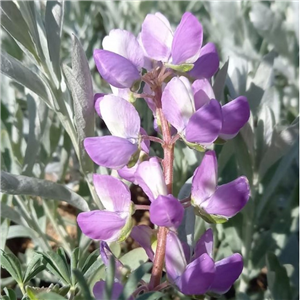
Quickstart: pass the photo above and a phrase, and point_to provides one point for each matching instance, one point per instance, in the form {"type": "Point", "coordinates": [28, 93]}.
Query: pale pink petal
{"type": "Point", "coordinates": [156, 36]}
{"type": "Point", "coordinates": [113, 193]}
{"type": "Point", "coordinates": [150, 178]}
{"type": "Point", "coordinates": [125, 44]}
{"type": "Point", "coordinates": [178, 102]}
{"type": "Point", "coordinates": [121, 118]}
{"type": "Point", "coordinates": [205, 178]}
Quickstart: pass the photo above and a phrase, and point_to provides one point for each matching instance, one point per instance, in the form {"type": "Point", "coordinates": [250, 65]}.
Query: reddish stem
{"type": "Point", "coordinates": [152, 139]}
{"type": "Point", "coordinates": [167, 163]}
{"type": "Point", "coordinates": [141, 207]}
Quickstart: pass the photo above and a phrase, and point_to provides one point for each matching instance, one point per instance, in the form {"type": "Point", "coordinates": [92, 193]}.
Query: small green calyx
{"type": "Point", "coordinates": [209, 218]}
{"type": "Point", "coordinates": [194, 145]}
{"type": "Point", "coordinates": [180, 68]}
{"type": "Point", "coordinates": [134, 159]}
{"type": "Point", "coordinates": [129, 224]}
{"type": "Point", "coordinates": [153, 242]}
{"type": "Point", "coordinates": [136, 86]}
{"type": "Point", "coordinates": [219, 141]}
{"type": "Point", "coordinates": [131, 98]}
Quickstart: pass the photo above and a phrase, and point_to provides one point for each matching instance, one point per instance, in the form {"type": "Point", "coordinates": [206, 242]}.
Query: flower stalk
{"type": "Point", "coordinates": [168, 148]}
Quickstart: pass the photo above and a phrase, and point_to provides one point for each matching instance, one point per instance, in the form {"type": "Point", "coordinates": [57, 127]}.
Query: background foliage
{"type": "Point", "coordinates": [45, 86]}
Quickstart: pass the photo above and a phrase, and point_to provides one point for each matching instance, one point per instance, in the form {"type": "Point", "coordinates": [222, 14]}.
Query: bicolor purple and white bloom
{"type": "Point", "coordinates": [115, 222]}
{"type": "Point", "coordinates": [121, 60]}
{"type": "Point", "coordinates": [192, 277]}
{"type": "Point", "coordinates": [123, 146]}
{"type": "Point", "coordinates": [235, 113]}
{"type": "Point", "coordinates": [227, 270]}
{"type": "Point", "coordinates": [198, 274]}
{"type": "Point", "coordinates": [196, 125]}
{"type": "Point", "coordinates": [180, 50]}
{"type": "Point", "coordinates": [216, 204]}
{"type": "Point", "coordinates": [165, 210]}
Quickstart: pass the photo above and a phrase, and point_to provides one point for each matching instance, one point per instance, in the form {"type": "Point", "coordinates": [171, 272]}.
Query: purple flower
{"type": "Point", "coordinates": [182, 47]}
{"type": "Point", "coordinates": [115, 222]}
{"type": "Point", "coordinates": [165, 210]}
{"type": "Point", "coordinates": [121, 60]}
{"type": "Point", "coordinates": [207, 64]}
{"type": "Point", "coordinates": [196, 126]}
{"type": "Point", "coordinates": [227, 269]}
{"type": "Point", "coordinates": [216, 204]}
{"type": "Point", "coordinates": [123, 146]}
{"type": "Point", "coordinates": [199, 274]}
{"type": "Point", "coordinates": [98, 97]}
{"type": "Point", "coordinates": [99, 290]}
{"type": "Point", "coordinates": [146, 238]}
{"type": "Point", "coordinates": [191, 277]}
{"type": "Point", "coordinates": [235, 114]}
{"type": "Point", "coordinates": [106, 255]}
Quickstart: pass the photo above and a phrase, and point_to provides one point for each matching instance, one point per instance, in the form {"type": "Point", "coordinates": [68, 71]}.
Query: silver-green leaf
{"type": "Point", "coordinates": [24, 185]}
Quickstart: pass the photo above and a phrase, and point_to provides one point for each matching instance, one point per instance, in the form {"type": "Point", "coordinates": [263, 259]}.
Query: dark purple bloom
{"type": "Point", "coordinates": [166, 211]}
{"type": "Point", "coordinates": [217, 203]}
{"type": "Point", "coordinates": [227, 269]}
{"type": "Point", "coordinates": [199, 274]}
{"type": "Point", "coordinates": [123, 122]}
{"type": "Point", "coordinates": [115, 222]}
{"type": "Point", "coordinates": [235, 114]}
{"type": "Point", "coordinates": [191, 277]}
{"type": "Point", "coordinates": [207, 64]}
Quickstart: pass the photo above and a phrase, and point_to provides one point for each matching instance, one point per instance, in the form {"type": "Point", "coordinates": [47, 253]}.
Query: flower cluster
{"type": "Point", "coordinates": [172, 71]}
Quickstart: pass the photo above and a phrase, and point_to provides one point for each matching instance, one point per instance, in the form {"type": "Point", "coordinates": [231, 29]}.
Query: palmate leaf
{"type": "Point", "coordinates": [34, 267]}
{"type": "Point", "coordinates": [57, 264]}
{"type": "Point", "coordinates": [23, 185]}
{"type": "Point", "coordinates": [42, 294]}
{"type": "Point", "coordinates": [12, 264]}
{"type": "Point", "coordinates": [85, 291]}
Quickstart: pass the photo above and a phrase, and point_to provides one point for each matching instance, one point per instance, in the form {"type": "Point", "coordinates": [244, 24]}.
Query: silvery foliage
{"type": "Point", "coordinates": [46, 83]}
